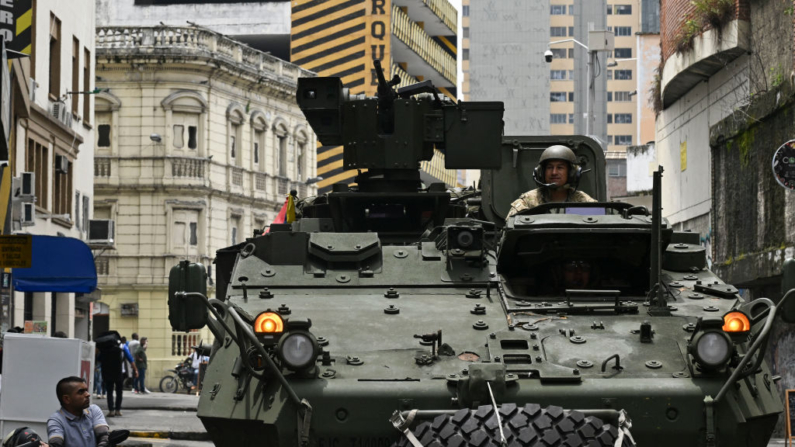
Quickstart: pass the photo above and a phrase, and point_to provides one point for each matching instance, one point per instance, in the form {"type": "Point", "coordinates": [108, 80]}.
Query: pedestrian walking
{"type": "Point", "coordinates": [141, 363]}
{"type": "Point", "coordinates": [133, 345]}
{"type": "Point", "coordinates": [99, 386]}
{"type": "Point", "coordinates": [113, 354]}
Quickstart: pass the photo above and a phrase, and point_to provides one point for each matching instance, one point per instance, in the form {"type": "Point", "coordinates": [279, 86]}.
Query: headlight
{"type": "Point", "coordinates": [465, 239]}
{"type": "Point", "coordinates": [710, 347]}
{"type": "Point", "coordinates": [298, 350]}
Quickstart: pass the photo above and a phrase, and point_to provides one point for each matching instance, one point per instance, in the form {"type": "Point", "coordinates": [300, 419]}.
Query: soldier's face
{"type": "Point", "coordinates": [556, 172]}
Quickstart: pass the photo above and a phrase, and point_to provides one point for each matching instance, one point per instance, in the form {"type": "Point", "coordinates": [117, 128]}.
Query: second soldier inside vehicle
{"type": "Point", "coordinates": [557, 176]}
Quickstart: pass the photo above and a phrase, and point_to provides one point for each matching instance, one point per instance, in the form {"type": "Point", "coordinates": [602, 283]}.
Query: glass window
{"type": "Point", "coordinates": [609, 9]}
{"type": "Point", "coordinates": [557, 75]}
{"type": "Point", "coordinates": [465, 10]}
{"type": "Point", "coordinates": [192, 137]}
{"type": "Point", "coordinates": [557, 118]}
{"type": "Point", "coordinates": [179, 135]}
{"type": "Point", "coordinates": [571, 74]}
{"type": "Point", "coordinates": [623, 31]}
{"type": "Point", "coordinates": [256, 152]}
{"type": "Point", "coordinates": [466, 54]}
{"type": "Point", "coordinates": [623, 140]}
{"type": "Point", "coordinates": [609, 139]}
{"type": "Point", "coordinates": [613, 170]}
{"type": "Point", "coordinates": [571, 53]}
{"type": "Point", "coordinates": [104, 135]}
{"type": "Point", "coordinates": [623, 118]}
{"type": "Point", "coordinates": [559, 53]}
{"type": "Point", "coordinates": [609, 118]}
{"type": "Point", "coordinates": [623, 75]}
{"type": "Point", "coordinates": [232, 146]}
{"type": "Point", "coordinates": [194, 238]}
{"type": "Point", "coordinates": [571, 96]}
{"type": "Point", "coordinates": [622, 53]}
{"type": "Point", "coordinates": [557, 31]}
{"type": "Point", "coordinates": [557, 10]}
{"type": "Point", "coordinates": [609, 74]}
{"type": "Point", "coordinates": [609, 96]}
{"type": "Point", "coordinates": [571, 31]}
{"type": "Point", "coordinates": [571, 10]}
{"type": "Point", "coordinates": [466, 32]}
{"type": "Point", "coordinates": [571, 118]}
{"type": "Point", "coordinates": [557, 96]}
{"type": "Point", "coordinates": [623, 10]}
{"type": "Point", "coordinates": [622, 97]}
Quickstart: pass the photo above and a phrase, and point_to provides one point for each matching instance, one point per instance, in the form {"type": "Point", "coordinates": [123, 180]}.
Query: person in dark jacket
{"type": "Point", "coordinates": [111, 359]}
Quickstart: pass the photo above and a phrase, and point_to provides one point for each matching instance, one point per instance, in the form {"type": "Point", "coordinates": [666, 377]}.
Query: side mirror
{"type": "Point", "coordinates": [787, 283]}
{"type": "Point", "coordinates": [116, 437]}
{"type": "Point", "coordinates": [187, 312]}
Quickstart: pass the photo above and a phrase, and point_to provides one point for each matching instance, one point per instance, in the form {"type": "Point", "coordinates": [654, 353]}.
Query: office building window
{"type": "Point", "coordinates": [571, 53]}
{"type": "Point", "coordinates": [557, 31]}
{"type": "Point", "coordinates": [465, 10]}
{"type": "Point", "coordinates": [623, 31]}
{"type": "Point", "coordinates": [571, 96]}
{"type": "Point", "coordinates": [609, 75]}
{"type": "Point", "coordinates": [571, 118]}
{"type": "Point", "coordinates": [622, 53]}
{"type": "Point", "coordinates": [609, 139]}
{"type": "Point", "coordinates": [557, 75]}
{"type": "Point", "coordinates": [609, 118]}
{"type": "Point", "coordinates": [623, 75]}
{"type": "Point", "coordinates": [55, 56]}
{"type": "Point", "coordinates": [76, 76]}
{"type": "Point", "coordinates": [623, 118]}
{"type": "Point", "coordinates": [623, 140]}
{"type": "Point", "coordinates": [465, 54]}
{"type": "Point", "coordinates": [557, 96]}
{"type": "Point", "coordinates": [617, 169]}
{"type": "Point", "coordinates": [571, 74]}
{"type": "Point", "coordinates": [622, 96]}
{"type": "Point", "coordinates": [609, 9]}
{"type": "Point", "coordinates": [622, 10]}
{"type": "Point", "coordinates": [559, 53]}
{"type": "Point", "coordinates": [466, 32]}
{"type": "Point", "coordinates": [557, 10]}
{"type": "Point", "coordinates": [571, 31]}
{"type": "Point", "coordinates": [571, 10]}
{"type": "Point", "coordinates": [557, 118]}
{"type": "Point", "coordinates": [609, 96]}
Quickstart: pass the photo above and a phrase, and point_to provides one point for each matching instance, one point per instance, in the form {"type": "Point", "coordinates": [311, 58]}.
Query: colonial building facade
{"type": "Point", "coordinates": [199, 139]}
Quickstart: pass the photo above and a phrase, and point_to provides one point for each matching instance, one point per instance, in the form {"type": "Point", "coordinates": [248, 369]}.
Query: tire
{"type": "Point", "coordinates": [527, 426]}
{"type": "Point", "coordinates": [169, 384]}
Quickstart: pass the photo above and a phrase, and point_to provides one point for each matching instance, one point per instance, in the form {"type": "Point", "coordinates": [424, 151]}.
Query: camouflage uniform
{"type": "Point", "coordinates": [532, 199]}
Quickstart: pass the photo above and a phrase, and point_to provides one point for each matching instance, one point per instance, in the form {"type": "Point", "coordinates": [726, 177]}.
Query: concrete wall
{"type": "Point", "coordinates": [508, 41]}
{"type": "Point", "coordinates": [641, 164]}
{"type": "Point", "coordinates": [682, 134]}
{"type": "Point", "coordinates": [225, 18]}
{"type": "Point", "coordinates": [648, 61]}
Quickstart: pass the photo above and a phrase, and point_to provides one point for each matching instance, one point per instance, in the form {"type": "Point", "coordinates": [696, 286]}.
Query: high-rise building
{"type": "Point", "coordinates": [413, 39]}
{"type": "Point", "coordinates": [560, 112]}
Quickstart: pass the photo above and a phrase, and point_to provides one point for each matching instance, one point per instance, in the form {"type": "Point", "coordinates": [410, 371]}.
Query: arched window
{"type": "Point", "coordinates": [235, 117]}
{"type": "Point", "coordinates": [281, 135]}
{"type": "Point", "coordinates": [185, 112]}
{"type": "Point", "coordinates": [259, 125]}
{"type": "Point", "coordinates": [106, 120]}
{"type": "Point", "coordinates": [301, 153]}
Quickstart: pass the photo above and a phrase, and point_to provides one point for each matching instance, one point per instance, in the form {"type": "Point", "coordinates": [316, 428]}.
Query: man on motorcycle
{"type": "Point", "coordinates": [77, 423]}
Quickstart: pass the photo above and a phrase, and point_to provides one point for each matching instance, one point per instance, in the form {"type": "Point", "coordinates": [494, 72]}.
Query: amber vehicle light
{"type": "Point", "coordinates": [268, 323]}
{"type": "Point", "coordinates": [736, 322]}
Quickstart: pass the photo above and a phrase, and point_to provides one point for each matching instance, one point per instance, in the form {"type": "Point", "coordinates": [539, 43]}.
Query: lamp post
{"type": "Point", "coordinates": [599, 41]}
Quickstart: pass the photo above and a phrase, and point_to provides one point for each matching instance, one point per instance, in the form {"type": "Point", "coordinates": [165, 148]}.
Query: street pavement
{"type": "Point", "coordinates": [159, 420]}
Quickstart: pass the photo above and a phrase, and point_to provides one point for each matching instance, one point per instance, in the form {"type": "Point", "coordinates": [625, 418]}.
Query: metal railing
{"type": "Point", "coordinates": [113, 40]}
{"type": "Point", "coordinates": [261, 182]}
{"type": "Point", "coordinates": [420, 42]}
{"type": "Point", "coordinates": [445, 11]}
{"type": "Point", "coordinates": [101, 167]}
{"type": "Point", "coordinates": [405, 78]}
{"type": "Point", "coordinates": [187, 167]}
{"type": "Point", "coordinates": [102, 265]}
{"type": "Point", "coordinates": [237, 176]}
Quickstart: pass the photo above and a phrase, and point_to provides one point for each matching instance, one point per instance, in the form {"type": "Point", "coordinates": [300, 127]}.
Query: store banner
{"type": "Point", "coordinates": [16, 25]}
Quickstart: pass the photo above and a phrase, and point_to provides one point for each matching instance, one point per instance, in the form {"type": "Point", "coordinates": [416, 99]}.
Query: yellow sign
{"type": "Point", "coordinates": [15, 251]}
{"type": "Point", "coordinates": [683, 155]}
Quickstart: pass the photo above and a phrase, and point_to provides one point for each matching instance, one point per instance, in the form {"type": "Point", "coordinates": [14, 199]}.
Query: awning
{"type": "Point", "coordinates": [59, 264]}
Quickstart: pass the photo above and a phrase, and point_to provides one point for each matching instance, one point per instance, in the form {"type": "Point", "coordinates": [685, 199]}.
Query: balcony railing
{"type": "Point", "coordinates": [182, 343]}
{"type": "Point", "coordinates": [445, 11]}
{"type": "Point", "coordinates": [187, 167]}
{"type": "Point", "coordinates": [405, 78]}
{"type": "Point", "coordinates": [192, 41]}
{"type": "Point", "coordinates": [101, 167]}
{"type": "Point", "coordinates": [421, 43]}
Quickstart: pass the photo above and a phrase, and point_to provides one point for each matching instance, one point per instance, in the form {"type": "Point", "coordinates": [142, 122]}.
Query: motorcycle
{"type": "Point", "coordinates": [181, 376]}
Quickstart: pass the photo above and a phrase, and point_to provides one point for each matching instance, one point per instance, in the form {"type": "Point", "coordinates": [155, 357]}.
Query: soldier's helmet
{"type": "Point", "coordinates": [558, 152]}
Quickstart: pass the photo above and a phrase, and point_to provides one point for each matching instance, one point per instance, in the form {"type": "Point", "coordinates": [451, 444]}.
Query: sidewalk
{"type": "Point", "coordinates": [160, 417]}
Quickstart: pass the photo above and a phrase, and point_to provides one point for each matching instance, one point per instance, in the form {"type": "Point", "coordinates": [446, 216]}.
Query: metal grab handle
{"type": "Point", "coordinates": [761, 338]}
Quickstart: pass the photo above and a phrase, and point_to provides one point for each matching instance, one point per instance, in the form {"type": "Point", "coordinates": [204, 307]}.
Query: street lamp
{"type": "Point", "coordinates": [600, 41]}
{"type": "Point", "coordinates": [616, 61]}
{"type": "Point", "coordinates": [313, 180]}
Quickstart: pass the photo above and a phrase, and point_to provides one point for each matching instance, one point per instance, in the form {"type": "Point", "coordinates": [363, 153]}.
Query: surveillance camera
{"type": "Point", "coordinates": [548, 55]}
{"type": "Point", "coordinates": [155, 138]}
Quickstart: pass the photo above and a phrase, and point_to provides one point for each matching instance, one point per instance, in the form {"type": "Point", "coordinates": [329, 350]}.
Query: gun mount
{"type": "Point", "coordinates": [385, 139]}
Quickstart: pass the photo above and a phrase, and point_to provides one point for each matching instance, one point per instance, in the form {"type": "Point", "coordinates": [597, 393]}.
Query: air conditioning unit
{"type": "Point", "coordinates": [28, 214]}
{"type": "Point", "coordinates": [100, 233]}
{"type": "Point", "coordinates": [56, 110]}
{"type": "Point", "coordinates": [61, 164]}
{"type": "Point", "coordinates": [24, 187]}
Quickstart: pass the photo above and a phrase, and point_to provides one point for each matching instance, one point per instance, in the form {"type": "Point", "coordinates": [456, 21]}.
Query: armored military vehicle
{"type": "Point", "coordinates": [392, 314]}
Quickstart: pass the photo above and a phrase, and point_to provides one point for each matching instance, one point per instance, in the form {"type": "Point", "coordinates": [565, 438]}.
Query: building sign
{"type": "Point", "coordinates": [15, 251]}
{"type": "Point", "coordinates": [377, 41]}
{"type": "Point", "coordinates": [129, 310]}
{"type": "Point", "coordinates": [16, 20]}
{"type": "Point", "coordinates": [35, 327]}
{"type": "Point", "coordinates": [784, 165]}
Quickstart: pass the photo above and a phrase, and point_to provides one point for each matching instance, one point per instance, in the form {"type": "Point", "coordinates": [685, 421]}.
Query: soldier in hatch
{"type": "Point", "coordinates": [557, 176]}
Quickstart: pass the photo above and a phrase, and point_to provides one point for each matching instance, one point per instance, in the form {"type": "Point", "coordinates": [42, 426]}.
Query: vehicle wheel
{"type": "Point", "coordinates": [526, 426]}
{"type": "Point", "coordinates": [169, 384]}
